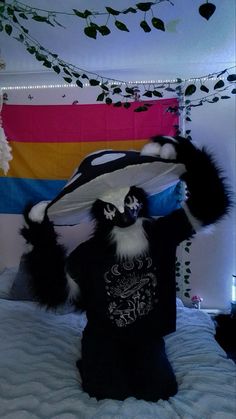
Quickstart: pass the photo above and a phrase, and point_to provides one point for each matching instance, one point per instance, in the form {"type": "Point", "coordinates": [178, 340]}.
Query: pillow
{"type": "Point", "coordinates": [179, 302]}
{"type": "Point", "coordinates": [7, 277]}
{"type": "Point", "coordinates": [19, 289]}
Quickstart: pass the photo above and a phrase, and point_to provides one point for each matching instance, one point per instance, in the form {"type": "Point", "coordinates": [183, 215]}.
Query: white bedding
{"type": "Point", "coordinates": [39, 379]}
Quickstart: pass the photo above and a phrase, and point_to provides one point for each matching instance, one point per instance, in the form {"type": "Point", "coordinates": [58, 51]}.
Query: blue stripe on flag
{"type": "Point", "coordinates": [16, 193]}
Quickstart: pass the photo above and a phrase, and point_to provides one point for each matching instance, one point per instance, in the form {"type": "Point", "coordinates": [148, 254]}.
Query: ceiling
{"type": "Point", "coordinates": [191, 46]}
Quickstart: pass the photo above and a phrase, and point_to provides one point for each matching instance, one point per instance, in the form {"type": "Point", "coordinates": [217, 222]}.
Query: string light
{"type": "Point", "coordinates": [138, 82]}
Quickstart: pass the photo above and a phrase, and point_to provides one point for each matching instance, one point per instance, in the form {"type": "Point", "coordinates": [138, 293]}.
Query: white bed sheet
{"type": "Point", "coordinates": [39, 379]}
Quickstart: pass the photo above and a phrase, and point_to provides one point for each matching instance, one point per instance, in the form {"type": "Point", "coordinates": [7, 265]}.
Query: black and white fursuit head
{"type": "Point", "coordinates": [124, 275]}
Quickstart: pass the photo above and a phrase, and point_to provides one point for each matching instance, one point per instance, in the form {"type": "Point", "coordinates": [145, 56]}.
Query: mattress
{"type": "Point", "coordinates": [39, 378]}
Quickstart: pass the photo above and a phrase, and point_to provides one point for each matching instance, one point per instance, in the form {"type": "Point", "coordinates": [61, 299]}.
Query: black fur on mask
{"type": "Point", "coordinates": [118, 219]}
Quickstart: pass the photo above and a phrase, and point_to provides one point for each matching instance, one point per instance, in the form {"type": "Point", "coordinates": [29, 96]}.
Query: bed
{"type": "Point", "coordinates": [39, 378]}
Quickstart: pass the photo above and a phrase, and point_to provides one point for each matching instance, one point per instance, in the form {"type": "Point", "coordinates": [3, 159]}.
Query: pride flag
{"type": "Point", "coordinates": [49, 141]}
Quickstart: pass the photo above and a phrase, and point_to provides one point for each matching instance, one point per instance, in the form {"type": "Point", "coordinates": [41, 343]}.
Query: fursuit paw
{"type": "Point", "coordinates": [180, 149]}
{"type": "Point", "coordinates": [163, 147]}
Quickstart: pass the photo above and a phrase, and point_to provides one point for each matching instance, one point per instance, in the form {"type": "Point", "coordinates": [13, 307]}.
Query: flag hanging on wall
{"type": "Point", "coordinates": [49, 141]}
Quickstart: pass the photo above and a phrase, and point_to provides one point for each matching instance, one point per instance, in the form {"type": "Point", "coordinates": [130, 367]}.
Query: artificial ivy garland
{"type": "Point", "coordinates": [113, 91]}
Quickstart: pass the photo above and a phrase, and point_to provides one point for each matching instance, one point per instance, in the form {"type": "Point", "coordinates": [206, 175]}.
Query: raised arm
{"type": "Point", "coordinates": [45, 260]}
{"type": "Point", "coordinates": [208, 197]}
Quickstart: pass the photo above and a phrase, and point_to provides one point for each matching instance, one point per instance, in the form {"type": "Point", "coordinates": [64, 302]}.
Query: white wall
{"type": "Point", "coordinates": [212, 255]}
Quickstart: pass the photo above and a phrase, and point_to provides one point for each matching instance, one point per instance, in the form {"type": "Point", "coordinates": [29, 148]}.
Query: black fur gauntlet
{"type": "Point", "coordinates": [45, 262]}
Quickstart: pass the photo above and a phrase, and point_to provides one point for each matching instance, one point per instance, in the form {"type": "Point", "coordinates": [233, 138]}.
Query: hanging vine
{"type": "Point", "coordinates": [118, 93]}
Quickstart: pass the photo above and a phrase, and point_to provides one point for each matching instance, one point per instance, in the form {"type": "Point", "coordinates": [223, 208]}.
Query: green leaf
{"type": "Point", "coordinates": [104, 87]}
{"type": "Point", "coordinates": [225, 97]}
{"type": "Point", "coordinates": [75, 74]}
{"type": "Point", "coordinates": [186, 294]}
{"type": "Point", "coordinates": [58, 23]}
{"type": "Point", "coordinates": [90, 31]}
{"type": "Point", "coordinates": [231, 77]}
{"type": "Point", "coordinates": [158, 24]}
{"type": "Point", "coordinates": [129, 10]}
{"type": "Point", "coordinates": [24, 29]}
{"type": "Point", "coordinates": [14, 18]}
{"type": "Point", "coordinates": [112, 11]}
{"type": "Point", "coordinates": [68, 79]}
{"type": "Point", "coordinates": [190, 90]}
{"type": "Point", "coordinates": [116, 90]}
{"type": "Point", "coordinates": [31, 49]}
{"type": "Point", "coordinates": [104, 30]}
{"type": "Point", "coordinates": [233, 91]}
{"type": "Point", "coordinates": [1, 27]}
{"type": "Point", "coordinates": [101, 97]}
{"type": "Point", "coordinates": [79, 83]}
{"type": "Point", "coordinates": [87, 13]}
{"type": "Point", "coordinates": [141, 109]}
{"type": "Point", "coordinates": [40, 57]}
{"type": "Point", "coordinates": [219, 84]}
{"type": "Point", "coordinates": [108, 101]}
{"type": "Point", "coordinates": [121, 26]}
{"type": "Point", "coordinates": [39, 18]}
{"type": "Point", "coordinates": [129, 90]}
{"type": "Point", "coordinates": [127, 105]}
{"type": "Point", "coordinates": [157, 94]}
{"type": "Point", "coordinates": [79, 14]}
{"type": "Point", "coordinates": [204, 88]}
{"type": "Point", "coordinates": [187, 263]}
{"type": "Point", "coordinates": [148, 94]}
{"type": "Point", "coordinates": [66, 71]}
{"type": "Point", "coordinates": [94, 82]}
{"type": "Point", "coordinates": [144, 25]}
{"type": "Point", "coordinates": [215, 99]}
{"type": "Point", "coordinates": [47, 64]}
{"type": "Point", "coordinates": [169, 89]}
{"type": "Point", "coordinates": [10, 11]}
{"type": "Point", "coordinates": [144, 7]}
{"type": "Point", "coordinates": [118, 104]}
{"type": "Point", "coordinates": [84, 76]}
{"type": "Point", "coordinates": [56, 68]}
{"type": "Point", "coordinates": [2, 8]}
{"type": "Point", "coordinates": [8, 29]}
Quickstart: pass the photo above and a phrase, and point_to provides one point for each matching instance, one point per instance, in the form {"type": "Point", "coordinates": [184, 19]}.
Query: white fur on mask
{"type": "Point", "coordinates": [116, 197]}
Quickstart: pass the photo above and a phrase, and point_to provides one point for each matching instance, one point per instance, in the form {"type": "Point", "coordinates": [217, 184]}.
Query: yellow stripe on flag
{"type": "Point", "coordinates": [57, 160]}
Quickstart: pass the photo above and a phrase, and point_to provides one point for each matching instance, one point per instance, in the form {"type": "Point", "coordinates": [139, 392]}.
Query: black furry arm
{"type": "Point", "coordinates": [45, 262]}
{"type": "Point", "coordinates": [208, 198]}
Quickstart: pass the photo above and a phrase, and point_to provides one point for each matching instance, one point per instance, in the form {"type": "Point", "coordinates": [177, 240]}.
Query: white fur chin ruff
{"type": "Point", "coordinates": [130, 241]}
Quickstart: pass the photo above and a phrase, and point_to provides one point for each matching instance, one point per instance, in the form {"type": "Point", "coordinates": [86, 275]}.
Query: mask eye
{"type": "Point", "coordinates": [132, 202]}
{"type": "Point", "coordinates": [109, 211]}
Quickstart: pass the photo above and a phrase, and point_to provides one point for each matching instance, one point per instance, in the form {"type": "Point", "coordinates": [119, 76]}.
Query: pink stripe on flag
{"type": "Point", "coordinates": [96, 122]}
